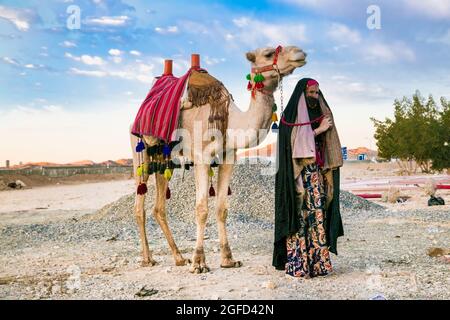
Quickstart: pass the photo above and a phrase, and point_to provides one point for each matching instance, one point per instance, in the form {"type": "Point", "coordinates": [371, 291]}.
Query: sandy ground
{"type": "Point", "coordinates": [381, 254]}
{"type": "Point", "coordinates": [49, 203]}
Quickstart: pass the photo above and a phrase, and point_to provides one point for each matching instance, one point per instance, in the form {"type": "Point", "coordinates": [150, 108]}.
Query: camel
{"type": "Point", "coordinates": [255, 123]}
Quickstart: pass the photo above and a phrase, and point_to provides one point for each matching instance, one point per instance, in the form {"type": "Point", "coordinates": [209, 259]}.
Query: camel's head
{"type": "Point", "coordinates": [289, 58]}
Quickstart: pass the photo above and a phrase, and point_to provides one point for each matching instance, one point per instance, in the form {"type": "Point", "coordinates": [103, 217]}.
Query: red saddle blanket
{"type": "Point", "coordinates": [159, 113]}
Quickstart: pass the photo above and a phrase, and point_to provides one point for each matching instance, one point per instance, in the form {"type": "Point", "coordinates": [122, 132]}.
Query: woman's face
{"type": "Point", "coordinates": [313, 92]}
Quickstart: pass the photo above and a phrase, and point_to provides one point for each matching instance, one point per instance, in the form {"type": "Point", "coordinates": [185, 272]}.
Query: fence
{"type": "Point", "coordinates": [67, 171]}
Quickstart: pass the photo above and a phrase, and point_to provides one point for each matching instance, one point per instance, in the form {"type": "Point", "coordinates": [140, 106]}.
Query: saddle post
{"type": "Point", "coordinates": [195, 60]}
{"type": "Point", "coordinates": [168, 67]}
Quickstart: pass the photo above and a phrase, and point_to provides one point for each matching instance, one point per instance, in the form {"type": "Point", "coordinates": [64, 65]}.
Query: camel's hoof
{"type": "Point", "coordinates": [148, 263]}
{"type": "Point", "coordinates": [182, 262]}
{"type": "Point", "coordinates": [199, 269]}
{"type": "Point", "coordinates": [231, 264]}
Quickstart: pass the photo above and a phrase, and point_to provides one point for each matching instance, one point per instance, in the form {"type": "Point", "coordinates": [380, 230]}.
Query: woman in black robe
{"type": "Point", "coordinates": [307, 217]}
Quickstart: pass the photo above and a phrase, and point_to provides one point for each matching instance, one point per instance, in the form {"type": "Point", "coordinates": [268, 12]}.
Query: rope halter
{"type": "Point", "coordinates": [255, 83]}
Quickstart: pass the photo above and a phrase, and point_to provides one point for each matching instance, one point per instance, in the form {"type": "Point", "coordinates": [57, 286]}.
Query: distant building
{"type": "Point", "coordinates": [361, 154]}
{"type": "Point", "coordinates": [7, 163]}
{"type": "Point", "coordinates": [362, 157]}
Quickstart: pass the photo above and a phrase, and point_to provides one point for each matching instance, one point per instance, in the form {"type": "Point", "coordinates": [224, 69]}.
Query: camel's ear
{"type": "Point", "coordinates": [251, 56]}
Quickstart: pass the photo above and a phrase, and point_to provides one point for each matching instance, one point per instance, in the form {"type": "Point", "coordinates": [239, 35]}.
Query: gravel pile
{"type": "Point", "coordinates": [252, 197]}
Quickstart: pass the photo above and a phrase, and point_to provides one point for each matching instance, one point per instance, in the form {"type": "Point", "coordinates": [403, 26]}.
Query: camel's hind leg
{"type": "Point", "coordinates": [225, 171]}
{"type": "Point", "coordinates": [139, 209]}
{"type": "Point", "coordinates": [159, 212]}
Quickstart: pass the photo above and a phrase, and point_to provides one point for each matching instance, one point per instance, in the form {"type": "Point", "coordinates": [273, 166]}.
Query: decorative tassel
{"type": "Point", "coordinates": [259, 85]}
{"type": "Point", "coordinates": [274, 117]}
{"type": "Point", "coordinates": [249, 86]}
{"type": "Point", "coordinates": [151, 151]}
{"type": "Point", "coordinates": [167, 174]}
{"type": "Point", "coordinates": [168, 193]}
{"type": "Point", "coordinates": [142, 189]}
{"type": "Point", "coordinates": [274, 107]}
{"type": "Point", "coordinates": [211, 172]}
{"type": "Point", "coordinates": [166, 150]}
{"type": "Point", "coordinates": [150, 168]}
{"type": "Point", "coordinates": [259, 78]}
{"type": "Point", "coordinates": [274, 126]}
{"type": "Point", "coordinates": [249, 77]}
{"type": "Point", "coordinates": [212, 192]}
{"type": "Point", "coordinates": [229, 191]}
{"type": "Point", "coordinates": [215, 162]}
{"type": "Point", "coordinates": [140, 146]}
{"type": "Point", "coordinates": [139, 171]}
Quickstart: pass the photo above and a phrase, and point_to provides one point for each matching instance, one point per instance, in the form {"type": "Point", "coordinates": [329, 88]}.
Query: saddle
{"type": "Point", "coordinates": [204, 89]}
{"type": "Point", "coordinates": [158, 115]}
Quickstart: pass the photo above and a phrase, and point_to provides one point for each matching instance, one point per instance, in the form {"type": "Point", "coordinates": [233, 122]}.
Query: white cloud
{"type": "Point", "coordinates": [88, 73]}
{"type": "Point", "coordinates": [259, 33]}
{"type": "Point", "coordinates": [92, 60]}
{"type": "Point", "coordinates": [382, 52]}
{"type": "Point", "coordinates": [86, 59]}
{"type": "Point", "coordinates": [20, 18]}
{"type": "Point", "coordinates": [68, 44]}
{"type": "Point", "coordinates": [115, 52]}
{"type": "Point", "coordinates": [16, 63]}
{"type": "Point", "coordinates": [70, 56]}
{"type": "Point", "coordinates": [11, 61]}
{"type": "Point", "coordinates": [343, 34]}
{"type": "Point", "coordinates": [170, 29]}
{"type": "Point", "coordinates": [135, 53]}
{"type": "Point", "coordinates": [229, 37]}
{"type": "Point", "coordinates": [137, 71]}
{"type": "Point", "coordinates": [112, 21]}
{"type": "Point", "coordinates": [212, 61]}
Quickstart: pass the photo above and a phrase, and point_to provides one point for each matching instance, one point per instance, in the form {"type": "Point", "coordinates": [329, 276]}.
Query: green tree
{"type": "Point", "coordinates": [441, 149]}
{"type": "Point", "coordinates": [417, 134]}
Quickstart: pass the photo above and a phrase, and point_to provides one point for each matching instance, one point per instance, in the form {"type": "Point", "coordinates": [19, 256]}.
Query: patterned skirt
{"type": "Point", "coordinates": [307, 250]}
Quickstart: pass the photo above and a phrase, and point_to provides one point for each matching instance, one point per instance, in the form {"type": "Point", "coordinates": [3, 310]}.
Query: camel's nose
{"type": "Point", "coordinates": [297, 54]}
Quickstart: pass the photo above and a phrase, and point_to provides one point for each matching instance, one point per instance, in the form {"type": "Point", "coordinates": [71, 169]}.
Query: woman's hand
{"type": "Point", "coordinates": [325, 124]}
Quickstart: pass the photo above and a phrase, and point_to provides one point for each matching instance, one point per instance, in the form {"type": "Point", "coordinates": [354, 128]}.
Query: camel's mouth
{"type": "Point", "coordinates": [293, 64]}
{"type": "Point", "coordinates": [297, 63]}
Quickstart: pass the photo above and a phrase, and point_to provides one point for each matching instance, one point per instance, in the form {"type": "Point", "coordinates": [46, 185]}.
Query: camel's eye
{"type": "Point", "coordinates": [268, 55]}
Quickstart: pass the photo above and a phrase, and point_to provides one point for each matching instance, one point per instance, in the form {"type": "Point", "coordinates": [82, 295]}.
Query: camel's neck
{"type": "Point", "coordinates": [249, 128]}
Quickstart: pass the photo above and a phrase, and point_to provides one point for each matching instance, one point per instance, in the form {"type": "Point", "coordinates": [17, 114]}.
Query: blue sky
{"type": "Point", "coordinates": [67, 95]}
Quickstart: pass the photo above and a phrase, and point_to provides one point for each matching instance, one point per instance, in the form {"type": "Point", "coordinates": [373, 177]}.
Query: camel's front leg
{"type": "Point", "coordinates": [225, 172]}
{"type": "Point", "coordinates": [201, 215]}
{"type": "Point", "coordinates": [159, 211]}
